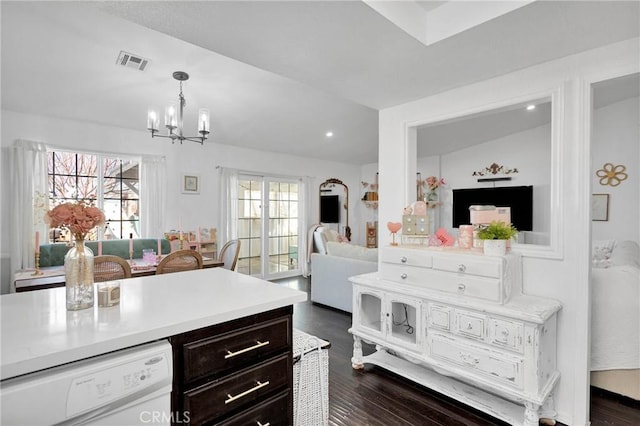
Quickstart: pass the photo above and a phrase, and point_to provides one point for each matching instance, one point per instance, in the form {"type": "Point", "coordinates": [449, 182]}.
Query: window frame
{"type": "Point", "coordinates": [99, 200]}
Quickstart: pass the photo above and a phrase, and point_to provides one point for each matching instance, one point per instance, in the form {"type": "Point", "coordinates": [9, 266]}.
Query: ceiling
{"type": "Point", "coordinates": [276, 75]}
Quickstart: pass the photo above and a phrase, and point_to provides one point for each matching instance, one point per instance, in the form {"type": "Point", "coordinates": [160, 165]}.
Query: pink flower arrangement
{"type": "Point", "coordinates": [79, 218]}
{"type": "Point", "coordinates": [433, 182]}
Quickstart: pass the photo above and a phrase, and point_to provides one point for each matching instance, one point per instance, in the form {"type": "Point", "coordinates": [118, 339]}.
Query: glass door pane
{"type": "Point", "coordinates": [250, 226]}
{"type": "Point", "coordinates": [282, 229]}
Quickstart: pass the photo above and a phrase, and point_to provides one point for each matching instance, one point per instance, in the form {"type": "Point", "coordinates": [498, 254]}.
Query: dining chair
{"type": "Point", "coordinates": [178, 261]}
{"type": "Point", "coordinates": [108, 268]}
{"type": "Point", "coordinates": [229, 254]}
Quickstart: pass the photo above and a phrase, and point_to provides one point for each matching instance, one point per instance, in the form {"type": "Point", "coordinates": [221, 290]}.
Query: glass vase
{"type": "Point", "coordinates": [78, 272]}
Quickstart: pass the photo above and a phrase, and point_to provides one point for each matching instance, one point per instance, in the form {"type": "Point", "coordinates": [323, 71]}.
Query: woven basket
{"type": "Point", "coordinates": [310, 380]}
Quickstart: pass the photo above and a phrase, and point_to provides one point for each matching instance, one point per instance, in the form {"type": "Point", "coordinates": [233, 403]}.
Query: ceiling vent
{"type": "Point", "coordinates": [130, 60]}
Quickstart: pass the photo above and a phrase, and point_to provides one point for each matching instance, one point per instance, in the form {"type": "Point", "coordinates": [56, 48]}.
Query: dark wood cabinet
{"type": "Point", "coordinates": [238, 372]}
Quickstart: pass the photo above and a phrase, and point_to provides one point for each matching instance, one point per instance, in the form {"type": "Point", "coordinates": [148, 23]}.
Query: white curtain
{"type": "Point", "coordinates": [228, 205]}
{"type": "Point", "coordinates": [304, 214]}
{"type": "Point", "coordinates": [152, 196]}
{"type": "Point", "coordinates": [30, 201]}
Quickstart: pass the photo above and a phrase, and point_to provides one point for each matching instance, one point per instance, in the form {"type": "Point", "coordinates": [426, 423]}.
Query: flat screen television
{"type": "Point", "coordinates": [330, 209]}
{"type": "Point", "coordinates": [519, 198]}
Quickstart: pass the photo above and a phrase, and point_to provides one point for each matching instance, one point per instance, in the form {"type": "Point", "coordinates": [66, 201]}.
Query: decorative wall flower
{"type": "Point", "coordinates": [612, 175]}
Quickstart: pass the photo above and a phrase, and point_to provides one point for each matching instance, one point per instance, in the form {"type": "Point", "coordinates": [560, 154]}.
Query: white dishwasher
{"type": "Point", "coordinates": [127, 387]}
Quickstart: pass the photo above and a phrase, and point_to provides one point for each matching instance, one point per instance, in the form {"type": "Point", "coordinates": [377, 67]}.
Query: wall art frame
{"type": "Point", "coordinates": [600, 207]}
{"type": "Point", "coordinates": [190, 183]}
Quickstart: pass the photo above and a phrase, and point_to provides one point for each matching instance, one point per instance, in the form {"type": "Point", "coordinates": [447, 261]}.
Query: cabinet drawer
{"type": "Point", "coordinates": [238, 390]}
{"type": "Point", "coordinates": [506, 334]}
{"type": "Point", "coordinates": [439, 316]}
{"type": "Point", "coordinates": [470, 325]}
{"type": "Point", "coordinates": [224, 353]}
{"type": "Point", "coordinates": [400, 256]}
{"type": "Point", "coordinates": [483, 363]}
{"type": "Point", "coordinates": [273, 411]}
{"type": "Point", "coordinates": [463, 285]}
{"type": "Point", "coordinates": [483, 266]}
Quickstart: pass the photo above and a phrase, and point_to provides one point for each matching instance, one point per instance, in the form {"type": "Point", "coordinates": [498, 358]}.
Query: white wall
{"type": "Point", "coordinates": [565, 278]}
{"type": "Point", "coordinates": [191, 210]}
{"type": "Point", "coordinates": [616, 140]}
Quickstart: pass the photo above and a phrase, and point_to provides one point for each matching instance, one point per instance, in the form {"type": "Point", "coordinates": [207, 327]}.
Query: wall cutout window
{"type": "Point", "coordinates": [110, 183]}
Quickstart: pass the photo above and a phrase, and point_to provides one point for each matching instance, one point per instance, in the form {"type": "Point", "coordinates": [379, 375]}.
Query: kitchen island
{"type": "Point", "coordinates": [211, 304]}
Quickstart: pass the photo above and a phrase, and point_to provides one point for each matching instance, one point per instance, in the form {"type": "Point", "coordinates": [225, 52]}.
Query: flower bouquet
{"type": "Point", "coordinates": [79, 219]}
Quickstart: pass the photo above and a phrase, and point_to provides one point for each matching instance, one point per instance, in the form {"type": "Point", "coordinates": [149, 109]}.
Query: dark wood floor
{"type": "Point", "coordinates": [375, 396]}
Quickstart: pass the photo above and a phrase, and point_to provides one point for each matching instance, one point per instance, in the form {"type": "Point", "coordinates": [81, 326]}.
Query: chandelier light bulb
{"type": "Point", "coordinates": [152, 121]}
{"type": "Point", "coordinates": [203, 121]}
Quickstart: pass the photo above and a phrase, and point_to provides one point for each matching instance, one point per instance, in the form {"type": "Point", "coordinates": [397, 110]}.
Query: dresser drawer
{"type": "Point", "coordinates": [464, 285]}
{"type": "Point", "coordinates": [482, 363]}
{"type": "Point", "coordinates": [236, 349]}
{"type": "Point", "coordinates": [471, 265]}
{"type": "Point", "coordinates": [408, 257]}
{"type": "Point", "coordinates": [439, 316]}
{"type": "Point", "coordinates": [273, 411]}
{"type": "Point", "coordinates": [506, 334]}
{"type": "Point", "coordinates": [242, 389]}
{"type": "Point", "coordinates": [470, 325]}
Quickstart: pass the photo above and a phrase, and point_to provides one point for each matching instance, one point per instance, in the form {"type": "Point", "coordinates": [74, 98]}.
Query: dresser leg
{"type": "Point", "coordinates": [356, 360]}
{"type": "Point", "coordinates": [548, 411]}
{"type": "Point", "coordinates": [531, 414]}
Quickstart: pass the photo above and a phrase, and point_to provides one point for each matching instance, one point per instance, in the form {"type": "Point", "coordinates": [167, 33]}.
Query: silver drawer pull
{"type": "Point", "coordinates": [247, 392]}
{"type": "Point", "coordinates": [462, 268]}
{"type": "Point", "coordinates": [461, 287]}
{"type": "Point", "coordinates": [403, 276]}
{"type": "Point", "coordinates": [263, 424]}
{"type": "Point", "coordinates": [403, 259]}
{"type": "Point", "coordinates": [469, 326]}
{"type": "Point", "coordinates": [258, 344]}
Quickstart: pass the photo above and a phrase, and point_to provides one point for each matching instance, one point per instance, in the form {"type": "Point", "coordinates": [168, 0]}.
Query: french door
{"type": "Point", "coordinates": [268, 226]}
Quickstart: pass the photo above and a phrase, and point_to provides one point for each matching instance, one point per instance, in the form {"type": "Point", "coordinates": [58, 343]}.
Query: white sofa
{"type": "Point", "coordinates": [331, 268]}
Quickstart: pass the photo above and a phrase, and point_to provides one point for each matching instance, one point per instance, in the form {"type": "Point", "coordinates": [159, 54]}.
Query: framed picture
{"type": "Point", "coordinates": [600, 207]}
{"type": "Point", "coordinates": [190, 183]}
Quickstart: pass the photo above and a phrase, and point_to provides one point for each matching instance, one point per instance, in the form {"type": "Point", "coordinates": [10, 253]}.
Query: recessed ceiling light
{"type": "Point", "coordinates": [531, 107]}
{"type": "Point", "coordinates": [329, 134]}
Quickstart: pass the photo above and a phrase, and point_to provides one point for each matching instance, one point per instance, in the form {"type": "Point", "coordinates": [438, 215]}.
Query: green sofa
{"type": "Point", "coordinates": [53, 254]}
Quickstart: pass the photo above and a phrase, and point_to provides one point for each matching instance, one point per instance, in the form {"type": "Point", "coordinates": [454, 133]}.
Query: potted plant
{"type": "Point", "coordinates": [495, 236]}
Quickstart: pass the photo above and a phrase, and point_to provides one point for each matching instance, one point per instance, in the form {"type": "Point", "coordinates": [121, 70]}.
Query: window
{"type": "Point", "coordinates": [110, 183]}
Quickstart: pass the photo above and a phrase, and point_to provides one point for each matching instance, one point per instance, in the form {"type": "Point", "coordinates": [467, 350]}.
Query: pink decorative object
{"type": "Point", "coordinates": [480, 215]}
{"type": "Point", "coordinates": [99, 248]}
{"type": "Point", "coordinates": [78, 218]}
{"type": "Point", "coordinates": [394, 227]}
{"type": "Point", "coordinates": [420, 208]}
{"type": "Point", "coordinates": [445, 238]}
{"type": "Point", "coordinates": [407, 210]}
{"type": "Point", "coordinates": [465, 236]}
{"type": "Point", "coordinates": [434, 241]}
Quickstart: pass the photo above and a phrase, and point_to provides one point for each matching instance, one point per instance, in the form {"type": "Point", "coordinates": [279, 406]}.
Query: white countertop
{"type": "Point", "coordinates": [38, 332]}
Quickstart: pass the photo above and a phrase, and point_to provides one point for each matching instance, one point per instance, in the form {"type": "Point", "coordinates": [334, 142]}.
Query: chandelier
{"type": "Point", "coordinates": [173, 118]}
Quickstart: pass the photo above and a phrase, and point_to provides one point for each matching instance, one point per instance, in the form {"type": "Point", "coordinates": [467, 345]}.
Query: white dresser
{"type": "Point", "coordinates": [457, 322]}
